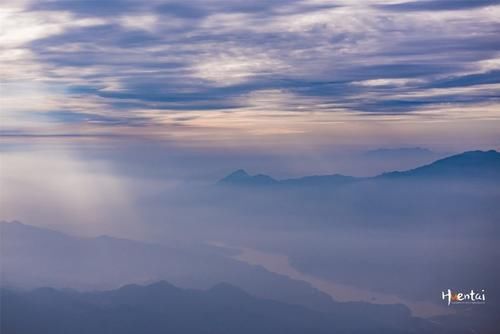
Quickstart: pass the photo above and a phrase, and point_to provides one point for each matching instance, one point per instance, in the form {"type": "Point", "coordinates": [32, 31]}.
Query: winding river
{"type": "Point", "coordinates": [280, 264]}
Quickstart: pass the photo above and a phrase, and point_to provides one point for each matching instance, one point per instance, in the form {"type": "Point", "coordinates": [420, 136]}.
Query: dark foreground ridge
{"type": "Point", "coordinates": [164, 308]}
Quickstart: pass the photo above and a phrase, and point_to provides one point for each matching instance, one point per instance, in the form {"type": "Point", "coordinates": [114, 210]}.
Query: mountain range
{"type": "Point", "coordinates": [37, 257]}
{"type": "Point", "coordinates": [33, 257]}
{"type": "Point", "coordinates": [471, 164]}
{"type": "Point", "coordinates": [164, 308]}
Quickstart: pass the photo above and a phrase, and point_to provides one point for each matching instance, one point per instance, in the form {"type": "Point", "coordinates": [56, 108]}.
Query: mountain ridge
{"type": "Point", "coordinates": [471, 163]}
{"type": "Point", "coordinates": [162, 307]}
{"type": "Point", "coordinates": [467, 164]}
{"type": "Point", "coordinates": [87, 263]}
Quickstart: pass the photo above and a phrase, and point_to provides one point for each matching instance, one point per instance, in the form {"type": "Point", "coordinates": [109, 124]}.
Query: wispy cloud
{"type": "Point", "coordinates": [138, 64]}
{"type": "Point", "coordinates": [433, 5]}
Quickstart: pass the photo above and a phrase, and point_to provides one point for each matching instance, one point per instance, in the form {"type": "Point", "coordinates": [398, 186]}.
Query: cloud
{"type": "Point", "coordinates": [490, 77]}
{"type": "Point", "coordinates": [90, 8]}
{"type": "Point", "coordinates": [436, 5]}
{"type": "Point", "coordinates": [135, 63]}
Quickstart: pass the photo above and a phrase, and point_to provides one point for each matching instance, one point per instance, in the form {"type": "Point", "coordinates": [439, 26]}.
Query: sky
{"type": "Point", "coordinates": [271, 75]}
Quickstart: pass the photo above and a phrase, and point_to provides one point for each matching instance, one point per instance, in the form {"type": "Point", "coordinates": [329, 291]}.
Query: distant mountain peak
{"type": "Point", "coordinates": [241, 177]}
{"type": "Point", "coordinates": [236, 176]}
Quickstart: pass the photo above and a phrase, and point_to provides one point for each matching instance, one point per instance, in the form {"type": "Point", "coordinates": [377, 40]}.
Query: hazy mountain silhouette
{"type": "Point", "coordinates": [33, 257]}
{"type": "Point", "coordinates": [164, 308]}
{"type": "Point", "coordinates": [472, 164]}
{"type": "Point", "coordinates": [454, 191]}
{"type": "Point", "coordinates": [241, 177]}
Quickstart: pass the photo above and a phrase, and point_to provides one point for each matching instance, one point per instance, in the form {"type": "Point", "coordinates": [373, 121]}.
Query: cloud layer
{"type": "Point", "coordinates": [128, 64]}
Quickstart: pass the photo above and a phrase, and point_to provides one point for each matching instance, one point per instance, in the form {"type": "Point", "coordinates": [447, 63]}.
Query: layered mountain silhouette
{"type": "Point", "coordinates": [472, 164]}
{"type": "Point", "coordinates": [164, 308]}
{"type": "Point", "coordinates": [457, 191]}
{"type": "Point", "coordinates": [40, 257]}
{"type": "Point", "coordinates": [241, 177]}
{"type": "Point", "coordinates": [33, 257]}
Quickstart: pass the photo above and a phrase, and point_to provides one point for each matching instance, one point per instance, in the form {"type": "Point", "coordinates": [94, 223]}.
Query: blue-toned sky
{"type": "Point", "coordinates": [219, 72]}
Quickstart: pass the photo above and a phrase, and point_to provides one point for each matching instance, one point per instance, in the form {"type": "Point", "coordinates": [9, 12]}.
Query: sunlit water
{"type": "Point", "coordinates": [280, 264]}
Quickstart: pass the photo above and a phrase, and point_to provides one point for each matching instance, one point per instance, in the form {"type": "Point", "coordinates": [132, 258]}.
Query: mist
{"type": "Point", "coordinates": [379, 239]}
